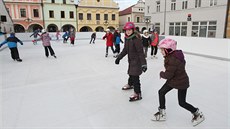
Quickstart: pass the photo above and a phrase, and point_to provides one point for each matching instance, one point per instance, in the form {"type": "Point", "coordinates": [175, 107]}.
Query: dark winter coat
{"type": "Point", "coordinates": [175, 70]}
{"type": "Point", "coordinates": [146, 40]}
{"type": "Point", "coordinates": [136, 58]}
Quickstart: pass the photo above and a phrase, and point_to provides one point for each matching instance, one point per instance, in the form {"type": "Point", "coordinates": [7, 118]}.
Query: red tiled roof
{"type": "Point", "coordinates": [126, 11]}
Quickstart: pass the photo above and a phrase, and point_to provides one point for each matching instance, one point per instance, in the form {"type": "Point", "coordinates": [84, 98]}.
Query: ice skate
{"type": "Point", "coordinates": [152, 57]}
{"type": "Point", "coordinates": [106, 55]}
{"type": "Point", "coordinates": [54, 56]}
{"type": "Point", "coordinates": [198, 117]}
{"type": "Point", "coordinates": [127, 87]}
{"type": "Point", "coordinates": [160, 115]}
{"type": "Point", "coordinates": [19, 60]}
{"type": "Point", "coordinates": [155, 56]}
{"type": "Point", "coordinates": [135, 97]}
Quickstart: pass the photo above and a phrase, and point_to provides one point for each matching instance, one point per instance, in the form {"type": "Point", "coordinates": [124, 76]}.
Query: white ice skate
{"type": "Point", "coordinates": [198, 117]}
{"type": "Point", "coordinates": [160, 115]}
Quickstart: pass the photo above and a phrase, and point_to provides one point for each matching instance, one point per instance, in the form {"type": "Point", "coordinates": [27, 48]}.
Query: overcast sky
{"type": "Point", "coordinates": [123, 4]}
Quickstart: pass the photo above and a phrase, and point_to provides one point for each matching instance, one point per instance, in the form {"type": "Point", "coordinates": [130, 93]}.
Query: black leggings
{"type": "Point", "coordinates": [14, 53]}
{"type": "Point", "coordinates": [47, 52]}
{"type": "Point", "coordinates": [181, 98]}
{"type": "Point", "coordinates": [107, 48]}
{"type": "Point", "coordinates": [135, 82]}
{"type": "Point", "coordinates": [155, 50]}
{"type": "Point", "coordinates": [117, 48]}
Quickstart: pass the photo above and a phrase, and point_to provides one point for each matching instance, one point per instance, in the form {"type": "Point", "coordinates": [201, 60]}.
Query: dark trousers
{"type": "Point", "coordinates": [14, 53]}
{"type": "Point", "coordinates": [92, 39]}
{"type": "Point", "coordinates": [155, 50]}
{"type": "Point", "coordinates": [145, 51]}
{"type": "Point", "coordinates": [72, 39]}
{"type": "Point", "coordinates": [181, 98]}
{"type": "Point", "coordinates": [47, 52]}
{"type": "Point", "coordinates": [135, 82]}
{"type": "Point", "coordinates": [117, 48]}
{"type": "Point", "coordinates": [107, 48]}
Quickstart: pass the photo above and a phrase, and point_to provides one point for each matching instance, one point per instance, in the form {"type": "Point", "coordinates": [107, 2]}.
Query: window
{"type": "Point", "coordinates": [71, 14]}
{"type": "Point", "coordinates": [158, 6]}
{"type": "Point", "coordinates": [62, 14]}
{"type": "Point", "coordinates": [204, 29]}
{"type": "Point", "coordinates": [3, 18]}
{"type": "Point", "coordinates": [185, 4]}
{"type": "Point", "coordinates": [113, 17]}
{"type": "Point", "coordinates": [51, 14]}
{"type": "Point", "coordinates": [129, 19]}
{"type": "Point", "coordinates": [148, 7]}
{"type": "Point", "coordinates": [178, 28]}
{"type": "Point", "coordinates": [80, 16]}
{"type": "Point", "coordinates": [98, 17]}
{"type": "Point", "coordinates": [213, 2]}
{"type": "Point", "coordinates": [197, 3]}
{"type": "Point", "coordinates": [36, 13]}
{"type": "Point", "coordinates": [88, 16]}
{"type": "Point", "coordinates": [173, 4]}
{"type": "Point", "coordinates": [52, 1]}
{"type": "Point", "coordinates": [64, 1]}
{"type": "Point", "coordinates": [105, 16]}
{"type": "Point", "coordinates": [23, 12]}
{"type": "Point", "coordinates": [157, 27]}
{"type": "Point", "coordinates": [138, 19]}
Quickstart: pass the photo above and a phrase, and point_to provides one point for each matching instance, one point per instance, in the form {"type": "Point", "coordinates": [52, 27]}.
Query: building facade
{"type": "Point", "coordinates": [227, 29]}
{"type": "Point", "coordinates": [6, 23]}
{"type": "Point", "coordinates": [135, 13]}
{"type": "Point", "coordinates": [26, 14]}
{"type": "Point", "coordinates": [97, 15]}
{"type": "Point", "coordinates": [196, 18]}
{"type": "Point", "coordinates": [59, 15]}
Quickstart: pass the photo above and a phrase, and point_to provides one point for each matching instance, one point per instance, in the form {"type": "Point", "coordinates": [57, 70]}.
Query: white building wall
{"type": "Point", "coordinates": [5, 26]}
{"type": "Point", "coordinates": [203, 13]}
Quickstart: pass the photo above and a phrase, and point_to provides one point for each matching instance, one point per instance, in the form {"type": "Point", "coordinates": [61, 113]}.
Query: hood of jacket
{"type": "Point", "coordinates": [179, 55]}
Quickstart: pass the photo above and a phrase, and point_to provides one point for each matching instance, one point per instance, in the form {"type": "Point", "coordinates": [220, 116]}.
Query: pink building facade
{"type": "Point", "coordinates": [27, 15]}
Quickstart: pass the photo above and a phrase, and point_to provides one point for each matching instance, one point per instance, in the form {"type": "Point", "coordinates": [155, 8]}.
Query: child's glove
{"type": "Point", "coordinates": [21, 43]}
{"type": "Point", "coordinates": [144, 68]}
{"type": "Point", "coordinates": [117, 61]}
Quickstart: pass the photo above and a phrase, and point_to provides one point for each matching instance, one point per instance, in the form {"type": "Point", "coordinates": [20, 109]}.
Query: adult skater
{"type": "Point", "coordinates": [136, 58]}
{"type": "Point", "coordinates": [146, 40]}
{"type": "Point", "coordinates": [93, 37]}
{"type": "Point", "coordinates": [12, 44]}
{"type": "Point", "coordinates": [46, 43]}
{"type": "Point", "coordinates": [177, 78]}
{"type": "Point", "coordinates": [109, 41]}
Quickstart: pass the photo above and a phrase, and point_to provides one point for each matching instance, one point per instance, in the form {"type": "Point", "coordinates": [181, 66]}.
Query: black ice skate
{"type": "Point", "coordinates": [135, 97]}
{"type": "Point", "coordinates": [19, 60]}
{"type": "Point", "coordinates": [198, 117]}
{"type": "Point", "coordinates": [106, 55]}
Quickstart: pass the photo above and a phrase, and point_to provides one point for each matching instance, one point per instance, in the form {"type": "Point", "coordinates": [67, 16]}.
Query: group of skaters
{"type": "Point", "coordinates": [136, 47]}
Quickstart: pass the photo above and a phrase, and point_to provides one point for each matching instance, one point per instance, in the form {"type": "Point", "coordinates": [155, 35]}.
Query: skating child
{"type": "Point", "coordinates": [146, 40]}
{"type": "Point", "coordinates": [93, 37]}
{"type": "Point", "coordinates": [137, 64]}
{"type": "Point", "coordinates": [177, 78]}
{"type": "Point", "coordinates": [35, 34]}
{"type": "Point", "coordinates": [155, 41]}
{"type": "Point", "coordinates": [46, 43]}
{"type": "Point", "coordinates": [117, 39]}
{"type": "Point", "coordinates": [109, 41]}
{"type": "Point", "coordinates": [65, 36]}
{"type": "Point", "coordinates": [57, 34]}
{"type": "Point", "coordinates": [72, 36]}
{"type": "Point", "coordinates": [12, 44]}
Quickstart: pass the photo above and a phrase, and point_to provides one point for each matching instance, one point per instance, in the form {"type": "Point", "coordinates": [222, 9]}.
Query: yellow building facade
{"type": "Point", "coordinates": [97, 15]}
{"type": "Point", "coordinates": [228, 23]}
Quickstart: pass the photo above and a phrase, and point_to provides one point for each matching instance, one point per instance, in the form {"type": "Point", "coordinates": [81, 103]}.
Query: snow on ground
{"type": "Point", "coordinates": [82, 89]}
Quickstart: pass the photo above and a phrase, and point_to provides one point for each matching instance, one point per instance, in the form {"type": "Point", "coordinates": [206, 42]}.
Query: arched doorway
{"type": "Point", "coordinates": [34, 27]}
{"type": "Point", "coordinates": [144, 28]}
{"type": "Point", "coordinates": [19, 28]}
{"type": "Point", "coordinates": [52, 28]}
{"type": "Point", "coordinates": [112, 29]}
{"type": "Point", "coordinates": [99, 29]}
{"type": "Point", "coordinates": [86, 29]}
{"type": "Point", "coordinates": [137, 29]}
{"type": "Point", "coordinates": [67, 27]}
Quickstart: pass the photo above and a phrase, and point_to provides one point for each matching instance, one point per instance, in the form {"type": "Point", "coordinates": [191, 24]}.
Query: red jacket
{"type": "Point", "coordinates": [109, 37]}
{"type": "Point", "coordinates": [155, 39]}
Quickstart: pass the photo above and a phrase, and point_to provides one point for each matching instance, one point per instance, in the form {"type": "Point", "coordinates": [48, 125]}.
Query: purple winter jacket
{"type": "Point", "coordinates": [45, 39]}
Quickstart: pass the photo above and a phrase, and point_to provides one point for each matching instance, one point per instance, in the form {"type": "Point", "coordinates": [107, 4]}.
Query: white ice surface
{"type": "Point", "coordinates": [82, 89]}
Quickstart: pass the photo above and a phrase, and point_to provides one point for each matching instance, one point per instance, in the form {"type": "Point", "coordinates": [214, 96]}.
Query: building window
{"type": "Point", "coordinates": [129, 19]}
{"type": "Point", "coordinates": [173, 4]}
{"type": "Point", "coordinates": [213, 2]}
{"type": "Point", "coordinates": [105, 16]}
{"type": "Point", "coordinates": [148, 7]}
{"type": "Point", "coordinates": [178, 28]}
{"type": "Point", "coordinates": [52, 1]}
{"type": "Point", "coordinates": [138, 20]}
{"type": "Point", "coordinates": [113, 17]}
{"type": "Point", "coordinates": [80, 16]}
{"type": "Point", "coordinates": [23, 12]}
{"type": "Point", "coordinates": [71, 14]}
{"type": "Point", "coordinates": [36, 13]}
{"type": "Point", "coordinates": [88, 16]}
{"type": "Point", "coordinates": [157, 27]}
{"type": "Point", "coordinates": [185, 4]}
{"type": "Point", "coordinates": [98, 17]}
{"type": "Point", "coordinates": [158, 6]}
{"type": "Point", "coordinates": [204, 29]}
{"type": "Point", "coordinates": [51, 14]}
{"type": "Point", "coordinates": [197, 3]}
{"type": "Point", "coordinates": [62, 14]}
{"type": "Point", "coordinates": [64, 1]}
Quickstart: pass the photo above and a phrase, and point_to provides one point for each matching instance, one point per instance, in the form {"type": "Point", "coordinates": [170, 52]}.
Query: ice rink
{"type": "Point", "coordinates": [81, 89]}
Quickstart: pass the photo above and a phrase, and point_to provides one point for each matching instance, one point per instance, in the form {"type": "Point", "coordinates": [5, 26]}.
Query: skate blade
{"type": "Point", "coordinates": [132, 100]}
{"type": "Point", "coordinates": [197, 123]}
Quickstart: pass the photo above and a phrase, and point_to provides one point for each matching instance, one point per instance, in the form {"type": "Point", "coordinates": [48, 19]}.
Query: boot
{"type": "Point", "coordinates": [198, 117]}
{"type": "Point", "coordinates": [106, 55]}
{"type": "Point", "coordinates": [127, 87]}
{"type": "Point", "coordinates": [19, 60]}
{"type": "Point", "coordinates": [135, 97]}
{"type": "Point", "coordinates": [160, 115]}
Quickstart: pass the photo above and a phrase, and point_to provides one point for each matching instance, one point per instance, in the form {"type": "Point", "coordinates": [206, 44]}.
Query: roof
{"type": "Point", "coordinates": [126, 11]}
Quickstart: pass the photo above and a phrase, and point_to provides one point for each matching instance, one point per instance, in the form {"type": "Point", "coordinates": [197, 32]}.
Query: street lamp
{"type": "Point", "coordinates": [147, 21]}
